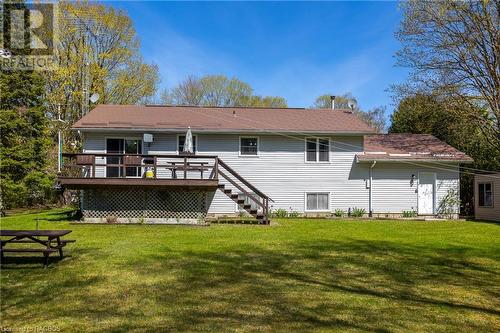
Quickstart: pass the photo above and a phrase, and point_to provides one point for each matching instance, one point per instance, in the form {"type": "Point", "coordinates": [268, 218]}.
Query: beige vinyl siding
{"type": "Point", "coordinates": [393, 191]}
{"type": "Point", "coordinates": [488, 213]}
{"type": "Point", "coordinates": [281, 171]}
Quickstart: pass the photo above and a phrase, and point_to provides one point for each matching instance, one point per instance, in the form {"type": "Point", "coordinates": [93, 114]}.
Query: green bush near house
{"type": "Point", "coordinates": [297, 275]}
{"type": "Point", "coordinates": [358, 212]}
{"type": "Point", "coordinates": [339, 213]}
{"type": "Point", "coordinates": [280, 213]}
{"type": "Point", "coordinates": [409, 213]}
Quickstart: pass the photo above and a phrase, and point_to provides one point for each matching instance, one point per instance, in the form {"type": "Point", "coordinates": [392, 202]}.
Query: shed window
{"type": "Point", "coordinates": [249, 146]}
{"type": "Point", "coordinates": [317, 149]}
{"type": "Point", "coordinates": [317, 201]}
{"type": "Point", "coordinates": [485, 195]}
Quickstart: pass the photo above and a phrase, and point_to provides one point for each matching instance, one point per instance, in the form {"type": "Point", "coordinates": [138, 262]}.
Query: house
{"type": "Point", "coordinates": [251, 159]}
{"type": "Point", "coordinates": [487, 196]}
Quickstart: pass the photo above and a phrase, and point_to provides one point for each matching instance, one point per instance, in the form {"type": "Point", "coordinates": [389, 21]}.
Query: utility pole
{"type": "Point", "coordinates": [59, 139]}
{"type": "Point", "coordinates": [85, 85]}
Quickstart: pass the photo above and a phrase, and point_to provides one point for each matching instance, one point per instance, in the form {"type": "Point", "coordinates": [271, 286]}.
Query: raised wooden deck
{"type": "Point", "coordinates": [186, 172]}
{"type": "Point", "coordinates": [83, 183]}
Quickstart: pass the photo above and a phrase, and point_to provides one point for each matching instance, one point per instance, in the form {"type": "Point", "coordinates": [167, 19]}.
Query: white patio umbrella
{"type": "Point", "coordinates": [188, 142]}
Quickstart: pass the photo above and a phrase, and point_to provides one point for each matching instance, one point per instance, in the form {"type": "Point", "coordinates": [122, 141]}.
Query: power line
{"type": "Point", "coordinates": [345, 144]}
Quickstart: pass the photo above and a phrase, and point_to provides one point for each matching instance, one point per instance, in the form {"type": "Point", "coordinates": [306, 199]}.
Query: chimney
{"type": "Point", "coordinates": [332, 99]}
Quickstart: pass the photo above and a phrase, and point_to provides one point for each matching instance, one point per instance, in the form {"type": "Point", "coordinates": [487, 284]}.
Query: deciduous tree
{"type": "Point", "coordinates": [97, 50]}
{"type": "Point", "coordinates": [431, 114]}
{"type": "Point", "coordinates": [374, 117]}
{"type": "Point", "coordinates": [218, 90]}
{"type": "Point", "coordinates": [453, 50]}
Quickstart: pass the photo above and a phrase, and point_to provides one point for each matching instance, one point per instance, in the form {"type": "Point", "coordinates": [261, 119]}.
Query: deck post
{"type": "Point", "coordinates": [267, 211]}
{"type": "Point", "coordinates": [216, 168]}
{"type": "Point", "coordinates": [155, 168]}
{"type": "Point", "coordinates": [185, 167]}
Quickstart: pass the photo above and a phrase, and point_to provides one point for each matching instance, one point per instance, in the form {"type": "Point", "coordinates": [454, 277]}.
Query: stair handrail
{"type": "Point", "coordinates": [249, 195]}
{"type": "Point", "coordinates": [243, 180]}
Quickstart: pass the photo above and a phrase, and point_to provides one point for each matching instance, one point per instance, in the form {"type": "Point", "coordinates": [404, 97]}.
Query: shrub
{"type": "Point", "coordinates": [280, 212]}
{"type": "Point", "coordinates": [339, 212]}
{"type": "Point", "coordinates": [358, 212]}
{"type": "Point", "coordinates": [40, 188]}
{"type": "Point", "coordinates": [13, 194]}
{"type": "Point", "coordinates": [35, 189]}
{"type": "Point", "coordinates": [409, 213]}
{"type": "Point", "coordinates": [448, 206]}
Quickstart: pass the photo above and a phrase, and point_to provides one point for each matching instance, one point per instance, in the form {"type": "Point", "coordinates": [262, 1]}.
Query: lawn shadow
{"type": "Point", "coordinates": [317, 285]}
{"type": "Point", "coordinates": [255, 286]}
{"type": "Point", "coordinates": [64, 216]}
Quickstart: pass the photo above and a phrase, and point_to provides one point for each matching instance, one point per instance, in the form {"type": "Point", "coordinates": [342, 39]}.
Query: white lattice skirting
{"type": "Point", "coordinates": [145, 206]}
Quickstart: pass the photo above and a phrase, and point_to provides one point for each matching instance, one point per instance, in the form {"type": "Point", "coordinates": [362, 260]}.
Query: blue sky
{"type": "Point", "coordinates": [296, 50]}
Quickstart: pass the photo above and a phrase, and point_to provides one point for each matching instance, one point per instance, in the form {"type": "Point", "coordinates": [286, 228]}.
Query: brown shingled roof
{"type": "Point", "coordinates": [223, 119]}
{"type": "Point", "coordinates": [409, 147]}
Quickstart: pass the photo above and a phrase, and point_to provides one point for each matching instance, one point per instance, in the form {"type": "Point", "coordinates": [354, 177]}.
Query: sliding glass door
{"type": "Point", "coordinates": [122, 146]}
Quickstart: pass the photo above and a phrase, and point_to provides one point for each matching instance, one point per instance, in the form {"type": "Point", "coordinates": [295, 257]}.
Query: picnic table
{"type": "Point", "coordinates": [49, 239]}
{"type": "Point", "coordinates": [189, 166]}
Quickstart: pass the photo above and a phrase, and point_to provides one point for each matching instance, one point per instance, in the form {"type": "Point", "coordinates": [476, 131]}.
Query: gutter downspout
{"type": "Point", "coordinates": [370, 209]}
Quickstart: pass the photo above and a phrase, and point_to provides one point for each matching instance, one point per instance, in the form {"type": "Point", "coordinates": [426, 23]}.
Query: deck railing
{"type": "Point", "coordinates": [183, 167]}
{"type": "Point", "coordinates": [88, 165]}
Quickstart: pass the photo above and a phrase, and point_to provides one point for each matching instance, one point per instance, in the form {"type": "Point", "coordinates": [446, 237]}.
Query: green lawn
{"type": "Point", "coordinates": [297, 275]}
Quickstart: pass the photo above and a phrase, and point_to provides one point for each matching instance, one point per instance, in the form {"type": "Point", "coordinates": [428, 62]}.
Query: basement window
{"type": "Point", "coordinates": [317, 201]}
{"type": "Point", "coordinates": [485, 195]}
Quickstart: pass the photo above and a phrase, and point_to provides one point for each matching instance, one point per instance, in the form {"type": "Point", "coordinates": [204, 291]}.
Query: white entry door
{"type": "Point", "coordinates": [426, 181]}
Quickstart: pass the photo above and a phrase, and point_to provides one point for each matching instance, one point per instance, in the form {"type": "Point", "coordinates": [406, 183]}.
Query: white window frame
{"type": "Point", "coordinates": [195, 141]}
{"type": "Point", "coordinates": [122, 138]}
{"type": "Point", "coordinates": [318, 210]}
{"type": "Point", "coordinates": [317, 138]}
{"type": "Point", "coordinates": [492, 195]}
{"type": "Point", "coordinates": [248, 137]}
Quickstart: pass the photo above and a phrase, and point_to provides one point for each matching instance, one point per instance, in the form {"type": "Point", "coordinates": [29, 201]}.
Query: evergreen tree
{"type": "Point", "coordinates": [25, 140]}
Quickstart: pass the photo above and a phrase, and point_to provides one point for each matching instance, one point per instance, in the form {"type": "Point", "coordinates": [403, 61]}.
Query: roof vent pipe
{"type": "Point", "coordinates": [332, 99]}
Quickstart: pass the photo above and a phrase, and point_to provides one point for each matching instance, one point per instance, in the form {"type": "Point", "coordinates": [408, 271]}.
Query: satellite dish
{"type": "Point", "coordinates": [351, 104]}
{"type": "Point", "coordinates": [6, 54]}
{"type": "Point", "coordinates": [95, 97]}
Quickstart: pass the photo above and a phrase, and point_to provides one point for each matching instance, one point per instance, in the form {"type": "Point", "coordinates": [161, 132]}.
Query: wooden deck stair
{"type": "Point", "coordinates": [247, 192]}
{"type": "Point", "coordinates": [240, 200]}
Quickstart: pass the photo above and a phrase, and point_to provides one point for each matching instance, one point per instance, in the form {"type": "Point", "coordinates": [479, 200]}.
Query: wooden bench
{"type": "Point", "coordinates": [31, 242]}
{"type": "Point", "coordinates": [46, 253]}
